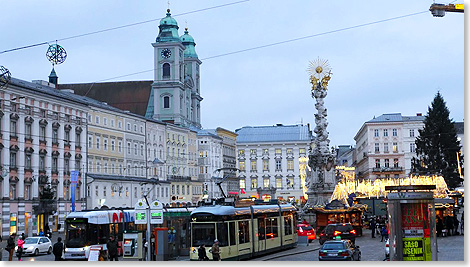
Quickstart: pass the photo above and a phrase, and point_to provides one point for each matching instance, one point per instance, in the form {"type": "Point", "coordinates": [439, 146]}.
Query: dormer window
{"type": "Point", "coordinates": [166, 102]}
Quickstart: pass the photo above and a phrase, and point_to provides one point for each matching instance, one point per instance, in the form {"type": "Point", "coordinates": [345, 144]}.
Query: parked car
{"type": "Point", "coordinates": [339, 250]}
{"type": "Point", "coordinates": [306, 230]}
{"type": "Point", "coordinates": [344, 230]}
{"type": "Point", "coordinates": [36, 245]}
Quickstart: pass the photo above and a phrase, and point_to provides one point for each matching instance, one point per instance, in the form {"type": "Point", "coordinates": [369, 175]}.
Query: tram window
{"type": "Point", "coordinates": [288, 225]}
{"type": "Point", "coordinates": [261, 229]}
{"type": "Point", "coordinates": [231, 230]}
{"type": "Point", "coordinates": [203, 233]}
{"type": "Point", "coordinates": [271, 228]}
{"type": "Point", "coordinates": [222, 234]}
{"type": "Point", "coordinates": [243, 232]}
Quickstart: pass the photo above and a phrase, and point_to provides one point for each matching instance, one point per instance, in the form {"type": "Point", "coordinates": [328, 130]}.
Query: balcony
{"type": "Point", "coordinates": [387, 169]}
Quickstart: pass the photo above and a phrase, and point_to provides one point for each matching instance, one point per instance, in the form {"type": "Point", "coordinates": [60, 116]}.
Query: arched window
{"type": "Point", "coordinates": [166, 70]}
{"type": "Point", "coordinates": [166, 102]}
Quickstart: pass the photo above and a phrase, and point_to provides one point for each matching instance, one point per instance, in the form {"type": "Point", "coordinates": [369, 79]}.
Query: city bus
{"type": "Point", "coordinates": [243, 232]}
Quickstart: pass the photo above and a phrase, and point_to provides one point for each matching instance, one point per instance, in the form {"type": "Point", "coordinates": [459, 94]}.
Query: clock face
{"type": "Point", "coordinates": [166, 53]}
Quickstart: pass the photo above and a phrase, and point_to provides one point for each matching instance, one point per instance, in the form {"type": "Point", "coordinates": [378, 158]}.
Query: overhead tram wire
{"type": "Point", "coordinates": [121, 27]}
{"type": "Point", "coordinates": [283, 42]}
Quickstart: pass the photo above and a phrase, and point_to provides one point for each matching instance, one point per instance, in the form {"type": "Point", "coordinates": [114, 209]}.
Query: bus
{"type": "Point", "coordinates": [243, 232]}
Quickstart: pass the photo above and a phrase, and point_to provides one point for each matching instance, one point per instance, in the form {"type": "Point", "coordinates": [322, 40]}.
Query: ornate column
{"type": "Point", "coordinates": [321, 178]}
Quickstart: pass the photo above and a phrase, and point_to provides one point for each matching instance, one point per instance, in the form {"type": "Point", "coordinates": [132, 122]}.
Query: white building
{"type": "Point", "coordinates": [271, 159]}
{"type": "Point", "coordinates": [385, 146]}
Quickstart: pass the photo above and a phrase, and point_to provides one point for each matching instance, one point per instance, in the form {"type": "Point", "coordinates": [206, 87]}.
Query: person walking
{"type": "Point", "coordinates": [461, 223]}
{"type": "Point", "coordinates": [58, 249]}
{"type": "Point", "coordinates": [20, 243]}
{"type": "Point", "coordinates": [112, 249]}
{"type": "Point", "coordinates": [372, 227]}
{"type": "Point", "coordinates": [201, 253]}
{"type": "Point", "coordinates": [10, 247]}
{"type": "Point", "coordinates": [215, 251]}
{"type": "Point", "coordinates": [384, 234]}
{"type": "Point", "coordinates": [439, 226]}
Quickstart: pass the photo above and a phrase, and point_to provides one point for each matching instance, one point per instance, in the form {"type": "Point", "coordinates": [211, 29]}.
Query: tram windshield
{"type": "Point", "coordinates": [203, 233]}
{"type": "Point", "coordinates": [76, 235]}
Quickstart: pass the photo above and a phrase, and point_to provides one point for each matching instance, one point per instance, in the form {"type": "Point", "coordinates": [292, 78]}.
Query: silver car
{"type": "Point", "coordinates": [36, 245]}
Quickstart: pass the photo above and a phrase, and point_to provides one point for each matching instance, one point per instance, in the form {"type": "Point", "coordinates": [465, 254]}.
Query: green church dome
{"type": "Point", "coordinates": [189, 44]}
{"type": "Point", "coordinates": [168, 29]}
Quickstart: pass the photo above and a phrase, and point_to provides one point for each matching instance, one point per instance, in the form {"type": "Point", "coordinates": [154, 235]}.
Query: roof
{"type": "Point", "coordinates": [395, 117]}
{"type": "Point", "coordinates": [276, 133]}
{"type": "Point", "coordinates": [128, 95]}
{"type": "Point", "coordinates": [125, 178]}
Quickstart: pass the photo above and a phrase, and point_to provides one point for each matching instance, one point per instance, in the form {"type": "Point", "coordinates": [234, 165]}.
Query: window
{"type": "Point", "coordinates": [253, 165]}
{"type": "Point", "coordinates": [66, 165]}
{"type": "Point", "coordinates": [42, 133]}
{"type": "Point", "coordinates": [253, 152]}
{"type": "Point", "coordinates": [13, 129]}
{"type": "Point", "coordinates": [278, 165]}
{"type": "Point", "coordinates": [128, 126]}
{"type": "Point", "coordinates": [289, 151]}
{"type": "Point", "coordinates": [290, 164]}
{"type": "Point", "coordinates": [241, 165]}
{"type": "Point", "coordinates": [90, 141]}
{"type": "Point", "coordinates": [395, 147]}
{"type": "Point", "coordinates": [105, 144]}
{"type": "Point", "coordinates": [385, 132]}
{"type": "Point", "coordinates": [241, 152]}
{"type": "Point", "coordinates": [387, 163]}
{"type": "Point", "coordinates": [242, 183]}
{"type": "Point", "coordinates": [254, 183]}
{"type": "Point", "coordinates": [104, 191]}
{"type": "Point", "coordinates": [135, 149]}
{"type": "Point", "coordinates": [386, 147]}
{"type": "Point", "coordinates": [112, 123]}
{"type": "Point", "coordinates": [42, 163]}
{"type": "Point", "coordinates": [166, 70]}
{"type": "Point", "coordinates": [135, 192]}
{"type": "Point", "coordinates": [172, 189]}
{"type": "Point", "coordinates": [141, 150]}
{"type": "Point", "coordinates": [28, 131]}
{"type": "Point", "coordinates": [265, 151]}
{"type": "Point", "coordinates": [105, 121]}
{"type": "Point", "coordinates": [135, 128]}
{"type": "Point", "coordinates": [394, 132]}
{"type": "Point", "coordinates": [183, 190]}
{"type": "Point", "coordinates": [377, 149]}
{"type": "Point", "coordinates": [412, 133]}
{"type": "Point", "coordinates": [412, 147]}
{"type": "Point", "coordinates": [301, 150]}
{"type": "Point", "coordinates": [120, 146]}
{"type": "Point", "coordinates": [54, 164]}
{"type": "Point", "coordinates": [277, 151]}
{"type": "Point", "coordinates": [27, 161]}
{"type": "Point", "coordinates": [55, 136]}
{"type": "Point", "coordinates": [12, 191]}
{"type": "Point", "coordinates": [128, 148]}
{"type": "Point", "coordinates": [98, 143]}
{"type": "Point", "coordinates": [288, 225]}
{"type": "Point", "coordinates": [97, 120]}
{"type": "Point", "coordinates": [13, 159]}
{"type": "Point", "coordinates": [265, 165]}
{"type": "Point", "coordinates": [395, 163]}
{"type": "Point", "coordinates": [77, 139]}
{"type": "Point", "coordinates": [376, 133]}
{"type": "Point", "coordinates": [166, 102]}
{"type": "Point", "coordinates": [96, 190]}
{"type": "Point", "coordinates": [113, 145]}
{"type": "Point", "coordinates": [290, 182]}
{"type": "Point", "coordinates": [266, 182]}
{"type": "Point", "coordinates": [278, 182]}
{"type": "Point", "coordinates": [243, 232]}
{"type": "Point", "coordinates": [377, 163]}
{"type": "Point", "coordinates": [119, 124]}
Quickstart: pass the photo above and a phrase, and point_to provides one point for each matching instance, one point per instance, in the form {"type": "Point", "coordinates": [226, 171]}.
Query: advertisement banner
{"type": "Point", "coordinates": [73, 187]}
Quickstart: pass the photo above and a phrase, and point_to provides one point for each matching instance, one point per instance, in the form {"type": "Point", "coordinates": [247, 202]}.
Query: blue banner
{"type": "Point", "coordinates": [73, 187]}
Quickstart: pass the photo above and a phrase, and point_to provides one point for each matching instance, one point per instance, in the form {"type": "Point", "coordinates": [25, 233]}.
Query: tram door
{"type": "Point", "coordinates": [261, 234]}
{"type": "Point", "coordinates": [244, 237]}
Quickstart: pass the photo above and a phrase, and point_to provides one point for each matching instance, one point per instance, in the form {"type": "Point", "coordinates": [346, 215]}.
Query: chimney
{"type": "Point", "coordinates": [419, 114]}
{"type": "Point", "coordinates": [53, 78]}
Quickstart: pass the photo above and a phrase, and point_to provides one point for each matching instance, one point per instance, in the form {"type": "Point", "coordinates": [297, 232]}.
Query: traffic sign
{"type": "Point", "coordinates": [140, 217]}
{"type": "Point", "coordinates": [156, 212]}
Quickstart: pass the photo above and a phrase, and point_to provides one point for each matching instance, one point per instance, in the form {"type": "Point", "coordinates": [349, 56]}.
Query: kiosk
{"type": "Point", "coordinates": [412, 223]}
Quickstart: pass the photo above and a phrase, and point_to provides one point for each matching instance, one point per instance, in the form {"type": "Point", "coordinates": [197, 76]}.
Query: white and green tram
{"type": "Point", "coordinates": [243, 232]}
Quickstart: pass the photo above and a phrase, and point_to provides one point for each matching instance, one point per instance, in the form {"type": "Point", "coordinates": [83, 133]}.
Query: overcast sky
{"type": "Point", "coordinates": [396, 66]}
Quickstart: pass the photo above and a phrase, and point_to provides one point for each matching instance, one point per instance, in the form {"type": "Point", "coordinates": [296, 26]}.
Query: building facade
{"type": "Point", "coordinates": [43, 137]}
{"type": "Point", "coordinates": [272, 161]}
{"type": "Point", "coordinates": [385, 146]}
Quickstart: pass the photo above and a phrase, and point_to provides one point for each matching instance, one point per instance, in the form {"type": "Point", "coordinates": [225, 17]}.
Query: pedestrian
{"type": "Point", "coordinates": [11, 247]}
{"type": "Point", "coordinates": [439, 226]}
{"type": "Point", "coordinates": [58, 249]}
{"type": "Point", "coordinates": [461, 223]}
{"type": "Point", "coordinates": [384, 234]}
{"type": "Point", "coordinates": [372, 227]}
{"type": "Point", "coordinates": [41, 232]}
{"type": "Point", "coordinates": [456, 225]}
{"type": "Point", "coordinates": [112, 249]}
{"type": "Point", "coordinates": [19, 252]}
{"type": "Point", "coordinates": [449, 225]}
{"type": "Point", "coordinates": [215, 251]}
{"type": "Point", "coordinates": [201, 253]}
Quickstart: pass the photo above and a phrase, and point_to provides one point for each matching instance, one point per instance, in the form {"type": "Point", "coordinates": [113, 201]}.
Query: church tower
{"type": "Point", "coordinates": [175, 96]}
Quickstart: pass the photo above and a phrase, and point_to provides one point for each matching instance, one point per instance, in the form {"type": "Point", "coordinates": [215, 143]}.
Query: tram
{"type": "Point", "coordinates": [243, 232]}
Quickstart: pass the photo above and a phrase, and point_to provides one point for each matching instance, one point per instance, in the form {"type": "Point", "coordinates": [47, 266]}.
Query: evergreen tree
{"type": "Point", "coordinates": [437, 145]}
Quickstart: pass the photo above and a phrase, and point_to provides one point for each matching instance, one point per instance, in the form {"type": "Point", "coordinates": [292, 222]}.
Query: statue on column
{"type": "Point", "coordinates": [321, 179]}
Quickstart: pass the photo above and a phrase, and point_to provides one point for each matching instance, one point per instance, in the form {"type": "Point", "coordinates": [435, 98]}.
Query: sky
{"type": "Point", "coordinates": [254, 54]}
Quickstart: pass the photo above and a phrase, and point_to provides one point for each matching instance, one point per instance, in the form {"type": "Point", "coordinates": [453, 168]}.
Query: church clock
{"type": "Point", "coordinates": [166, 53]}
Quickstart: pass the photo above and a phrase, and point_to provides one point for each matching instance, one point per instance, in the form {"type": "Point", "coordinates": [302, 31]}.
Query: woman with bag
{"type": "Point", "coordinates": [20, 243]}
